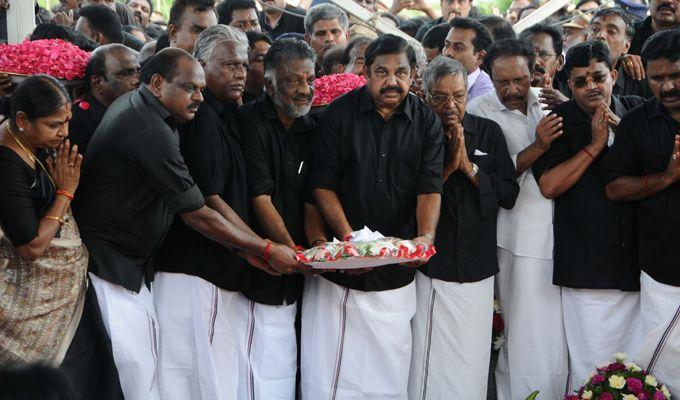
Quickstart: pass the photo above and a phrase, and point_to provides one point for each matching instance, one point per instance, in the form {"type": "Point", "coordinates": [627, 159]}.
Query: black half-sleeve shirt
{"type": "Point", "coordinates": [212, 152]}
{"type": "Point", "coordinates": [466, 233]}
{"type": "Point", "coordinates": [287, 23]}
{"type": "Point", "coordinates": [594, 237]}
{"type": "Point", "coordinates": [643, 146]}
{"type": "Point", "coordinates": [378, 168]}
{"type": "Point", "coordinates": [133, 183]}
{"type": "Point", "coordinates": [277, 164]}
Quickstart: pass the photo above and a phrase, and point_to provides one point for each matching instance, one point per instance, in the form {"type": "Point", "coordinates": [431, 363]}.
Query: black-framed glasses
{"type": "Point", "coordinates": [580, 83]}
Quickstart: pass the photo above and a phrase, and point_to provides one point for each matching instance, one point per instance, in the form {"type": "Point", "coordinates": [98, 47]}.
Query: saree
{"type": "Point", "coordinates": [41, 301]}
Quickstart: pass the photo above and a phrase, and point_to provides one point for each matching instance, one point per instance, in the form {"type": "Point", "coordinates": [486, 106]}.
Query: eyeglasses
{"type": "Point", "coordinates": [440, 99]}
{"type": "Point", "coordinates": [580, 83]}
{"type": "Point", "coordinates": [544, 55]}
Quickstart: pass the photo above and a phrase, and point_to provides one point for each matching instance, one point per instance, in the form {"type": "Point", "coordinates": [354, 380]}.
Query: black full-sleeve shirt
{"type": "Point", "coordinates": [643, 30]}
{"type": "Point", "coordinates": [133, 183]}
{"type": "Point", "coordinates": [627, 86]}
{"type": "Point", "coordinates": [287, 23]}
{"type": "Point", "coordinates": [643, 146]}
{"type": "Point", "coordinates": [87, 113]}
{"type": "Point", "coordinates": [466, 233]}
{"type": "Point", "coordinates": [378, 168]}
{"type": "Point", "coordinates": [212, 151]}
{"type": "Point", "coordinates": [594, 237]}
{"type": "Point", "coordinates": [277, 165]}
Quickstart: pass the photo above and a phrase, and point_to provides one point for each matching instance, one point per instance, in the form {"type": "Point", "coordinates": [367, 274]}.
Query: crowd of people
{"type": "Point", "coordinates": [150, 219]}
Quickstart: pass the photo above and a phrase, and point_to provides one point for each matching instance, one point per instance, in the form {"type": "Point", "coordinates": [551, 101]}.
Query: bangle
{"type": "Point", "coordinates": [267, 249]}
{"type": "Point", "coordinates": [62, 192]}
{"type": "Point", "coordinates": [53, 218]}
{"type": "Point", "coordinates": [588, 153]}
{"type": "Point", "coordinates": [645, 184]}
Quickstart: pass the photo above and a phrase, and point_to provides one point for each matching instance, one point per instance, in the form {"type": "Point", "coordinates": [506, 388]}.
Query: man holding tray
{"type": "Point", "coordinates": [377, 162]}
{"type": "Point", "coordinates": [452, 326]}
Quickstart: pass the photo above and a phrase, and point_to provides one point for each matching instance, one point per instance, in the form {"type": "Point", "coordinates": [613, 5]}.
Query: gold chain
{"type": "Point", "coordinates": [30, 155]}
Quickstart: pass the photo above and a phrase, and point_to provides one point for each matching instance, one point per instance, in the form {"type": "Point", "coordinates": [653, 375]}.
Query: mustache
{"type": "Point", "coordinates": [594, 93]}
{"type": "Point", "coordinates": [305, 97]}
{"type": "Point", "coordinates": [539, 69]}
{"type": "Point", "coordinates": [670, 93]}
{"type": "Point", "coordinates": [513, 97]}
{"type": "Point", "coordinates": [194, 106]}
{"type": "Point", "coordinates": [665, 6]}
{"type": "Point", "coordinates": [391, 89]}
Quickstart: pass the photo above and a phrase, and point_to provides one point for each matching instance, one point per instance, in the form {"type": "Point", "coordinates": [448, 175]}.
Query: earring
{"type": "Point", "coordinates": [21, 129]}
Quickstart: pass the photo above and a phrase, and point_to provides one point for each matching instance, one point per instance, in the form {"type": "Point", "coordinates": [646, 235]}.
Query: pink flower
{"type": "Point", "coordinates": [329, 87]}
{"type": "Point", "coordinates": [616, 367]}
{"type": "Point", "coordinates": [47, 56]}
{"type": "Point", "coordinates": [605, 396]}
{"type": "Point", "coordinates": [634, 385]}
{"type": "Point", "coordinates": [658, 395]}
{"type": "Point", "coordinates": [571, 397]}
{"type": "Point", "coordinates": [642, 396]}
{"type": "Point", "coordinates": [599, 378]}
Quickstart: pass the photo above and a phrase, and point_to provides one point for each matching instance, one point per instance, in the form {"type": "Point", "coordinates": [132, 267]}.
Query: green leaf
{"type": "Point", "coordinates": [532, 396]}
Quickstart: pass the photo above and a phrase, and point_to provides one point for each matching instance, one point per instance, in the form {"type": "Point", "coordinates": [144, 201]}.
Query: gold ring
{"type": "Point", "coordinates": [601, 122]}
{"type": "Point", "coordinates": [675, 156]}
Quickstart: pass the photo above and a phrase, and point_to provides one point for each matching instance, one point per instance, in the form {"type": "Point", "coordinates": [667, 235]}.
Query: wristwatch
{"type": "Point", "coordinates": [474, 171]}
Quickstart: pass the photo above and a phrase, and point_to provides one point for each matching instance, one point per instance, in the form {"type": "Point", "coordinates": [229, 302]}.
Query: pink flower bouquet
{"type": "Point", "coordinates": [620, 380]}
{"type": "Point", "coordinates": [54, 57]}
{"type": "Point", "coordinates": [329, 87]}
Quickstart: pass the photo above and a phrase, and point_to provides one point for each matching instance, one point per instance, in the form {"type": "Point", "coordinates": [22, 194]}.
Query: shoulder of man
{"type": "Point", "coordinates": [630, 102]}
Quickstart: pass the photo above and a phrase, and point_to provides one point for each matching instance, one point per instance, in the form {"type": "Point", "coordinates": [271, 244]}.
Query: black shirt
{"type": "Point", "coordinates": [87, 113]}
{"type": "Point", "coordinates": [287, 22]}
{"type": "Point", "coordinates": [627, 86]}
{"type": "Point", "coordinates": [594, 237]}
{"type": "Point", "coordinates": [643, 30]}
{"type": "Point", "coordinates": [277, 164]}
{"type": "Point", "coordinates": [212, 152]}
{"type": "Point", "coordinates": [378, 168]}
{"type": "Point", "coordinates": [25, 196]}
{"type": "Point", "coordinates": [644, 145]}
{"type": "Point", "coordinates": [134, 181]}
{"type": "Point", "coordinates": [466, 234]}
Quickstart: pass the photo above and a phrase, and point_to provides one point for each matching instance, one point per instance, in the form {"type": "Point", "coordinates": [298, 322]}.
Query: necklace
{"type": "Point", "coordinates": [29, 154]}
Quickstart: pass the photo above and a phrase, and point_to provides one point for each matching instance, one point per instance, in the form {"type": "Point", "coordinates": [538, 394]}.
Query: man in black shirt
{"type": "Point", "coordinates": [277, 22]}
{"type": "Point", "coordinates": [612, 27]}
{"type": "Point", "coordinates": [100, 24]}
{"type": "Point", "coordinates": [376, 161]}
{"type": "Point", "coordinates": [663, 15]}
{"type": "Point", "coordinates": [112, 71]}
{"type": "Point", "coordinates": [240, 14]}
{"type": "Point", "coordinates": [644, 167]}
{"type": "Point", "coordinates": [455, 289]}
{"type": "Point", "coordinates": [594, 240]}
{"type": "Point", "coordinates": [188, 18]}
{"type": "Point", "coordinates": [259, 46]}
{"type": "Point", "coordinates": [134, 182]}
{"type": "Point", "coordinates": [276, 133]}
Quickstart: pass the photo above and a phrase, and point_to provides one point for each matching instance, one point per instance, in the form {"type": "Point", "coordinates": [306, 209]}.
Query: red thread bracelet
{"type": "Point", "coordinates": [588, 153]}
{"type": "Point", "coordinates": [347, 237]}
{"type": "Point", "coordinates": [62, 192]}
{"type": "Point", "coordinates": [267, 248]}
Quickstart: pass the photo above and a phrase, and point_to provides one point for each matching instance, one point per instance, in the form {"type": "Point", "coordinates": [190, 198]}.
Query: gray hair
{"type": "Point", "coordinates": [440, 67]}
{"type": "Point", "coordinates": [323, 12]}
{"type": "Point", "coordinates": [216, 35]}
{"type": "Point", "coordinates": [282, 52]}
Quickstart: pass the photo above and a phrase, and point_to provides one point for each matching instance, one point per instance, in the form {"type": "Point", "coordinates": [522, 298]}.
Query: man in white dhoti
{"type": "Point", "coordinates": [452, 326]}
{"type": "Point", "coordinates": [534, 356]}
{"type": "Point", "coordinates": [644, 166]}
{"type": "Point", "coordinates": [135, 181]}
{"type": "Point", "coordinates": [594, 254]}
{"type": "Point", "coordinates": [377, 161]}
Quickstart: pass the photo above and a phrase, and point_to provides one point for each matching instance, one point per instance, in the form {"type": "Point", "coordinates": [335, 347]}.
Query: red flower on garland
{"type": "Point", "coordinates": [54, 57]}
{"type": "Point", "coordinates": [329, 87]}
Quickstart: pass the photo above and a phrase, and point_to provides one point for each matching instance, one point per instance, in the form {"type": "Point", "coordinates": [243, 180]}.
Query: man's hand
{"type": "Point", "coordinates": [398, 5]}
{"type": "Point", "coordinates": [454, 141]}
{"type": "Point", "coordinates": [673, 170]}
{"type": "Point", "coordinates": [549, 129]}
{"type": "Point", "coordinates": [612, 118]}
{"type": "Point", "coordinates": [284, 260]}
{"type": "Point", "coordinates": [419, 5]}
{"type": "Point", "coordinates": [417, 88]}
{"type": "Point", "coordinates": [259, 263]}
{"type": "Point", "coordinates": [63, 19]}
{"type": "Point", "coordinates": [633, 67]}
{"type": "Point", "coordinates": [599, 127]}
{"type": "Point", "coordinates": [423, 240]}
{"type": "Point", "coordinates": [550, 97]}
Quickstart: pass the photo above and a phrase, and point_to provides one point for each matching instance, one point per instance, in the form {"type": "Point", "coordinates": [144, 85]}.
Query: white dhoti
{"type": "Point", "coordinates": [130, 320]}
{"type": "Point", "coordinates": [614, 313]}
{"type": "Point", "coordinates": [199, 338]}
{"type": "Point", "coordinates": [534, 356]}
{"type": "Point", "coordinates": [270, 349]}
{"type": "Point", "coordinates": [660, 320]}
{"type": "Point", "coordinates": [355, 345]}
{"type": "Point", "coordinates": [451, 339]}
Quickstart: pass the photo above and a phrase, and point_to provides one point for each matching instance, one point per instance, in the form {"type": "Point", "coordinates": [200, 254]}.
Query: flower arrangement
{"type": "Point", "coordinates": [497, 337]}
{"type": "Point", "coordinates": [620, 380]}
{"type": "Point", "coordinates": [329, 87]}
{"type": "Point", "coordinates": [54, 57]}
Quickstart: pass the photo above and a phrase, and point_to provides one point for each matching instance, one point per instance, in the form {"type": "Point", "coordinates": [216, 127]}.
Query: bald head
{"type": "Point", "coordinates": [112, 71]}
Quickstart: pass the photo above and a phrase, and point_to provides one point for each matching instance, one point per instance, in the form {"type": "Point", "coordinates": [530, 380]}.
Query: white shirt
{"type": "Point", "coordinates": [472, 78]}
{"type": "Point", "coordinates": [526, 230]}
